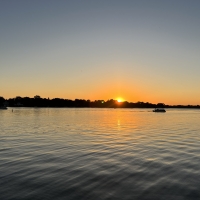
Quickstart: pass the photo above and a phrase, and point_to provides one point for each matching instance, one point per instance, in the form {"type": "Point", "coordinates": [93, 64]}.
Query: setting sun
{"type": "Point", "coordinates": [120, 100]}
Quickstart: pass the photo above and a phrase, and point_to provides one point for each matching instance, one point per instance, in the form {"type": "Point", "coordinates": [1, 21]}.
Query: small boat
{"type": "Point", "coordinates": [3, 107]}
{"type": "Point", "coordinates": [159, 110]}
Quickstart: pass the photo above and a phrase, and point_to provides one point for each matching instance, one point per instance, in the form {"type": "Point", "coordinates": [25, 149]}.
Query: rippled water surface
{"type": "Point", "coordinates": [52, 153]}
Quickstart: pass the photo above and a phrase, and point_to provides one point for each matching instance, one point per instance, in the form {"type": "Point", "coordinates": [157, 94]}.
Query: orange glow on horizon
{"type": "Point", "coordinates": [120, 100]}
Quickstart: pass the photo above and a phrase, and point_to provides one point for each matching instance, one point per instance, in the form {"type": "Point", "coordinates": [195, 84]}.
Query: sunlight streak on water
{"type": "Point", "coordinates": [57, 153]}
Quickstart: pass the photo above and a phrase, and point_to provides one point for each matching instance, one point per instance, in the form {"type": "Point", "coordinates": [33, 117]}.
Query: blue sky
{"type": "Point", "coordinates": [136, 50]}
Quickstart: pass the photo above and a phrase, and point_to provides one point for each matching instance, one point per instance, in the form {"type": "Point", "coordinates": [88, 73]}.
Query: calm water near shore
{"type": "Point", "coordinates": [99, 154]}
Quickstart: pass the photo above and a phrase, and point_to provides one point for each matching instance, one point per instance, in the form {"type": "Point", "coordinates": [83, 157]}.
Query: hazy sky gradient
{"type": "Point", "coordinates": [138, 50]}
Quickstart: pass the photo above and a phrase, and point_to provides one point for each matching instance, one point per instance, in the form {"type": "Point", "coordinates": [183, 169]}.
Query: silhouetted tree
{"type": "Point", "coordinates": [161, 105]}
{"type": "Point", "coordinates": [2, 100]}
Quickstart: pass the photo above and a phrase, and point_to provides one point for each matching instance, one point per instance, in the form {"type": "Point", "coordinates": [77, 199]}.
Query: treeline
{"type": "Point", "coordinates": [37, 101]}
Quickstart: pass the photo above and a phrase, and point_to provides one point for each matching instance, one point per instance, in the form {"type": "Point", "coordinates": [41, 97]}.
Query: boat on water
{"type": "Point", "coordinates": [3, 107]}
{"type": "Point", "coordinates": [159, 110]}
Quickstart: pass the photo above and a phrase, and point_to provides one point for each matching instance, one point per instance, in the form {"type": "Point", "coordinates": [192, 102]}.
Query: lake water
{"type": "Point", "coordinates": [99, 154]}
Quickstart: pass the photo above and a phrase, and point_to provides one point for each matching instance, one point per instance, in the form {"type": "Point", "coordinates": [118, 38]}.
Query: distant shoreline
{"type": "Point", "coordinates": [170, 107]}
{"type": "Point", "coordinates": [38, 102]}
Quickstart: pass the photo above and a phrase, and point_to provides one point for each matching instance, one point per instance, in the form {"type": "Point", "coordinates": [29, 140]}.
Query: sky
{"type": "Point", "coordinates": [137, 50]}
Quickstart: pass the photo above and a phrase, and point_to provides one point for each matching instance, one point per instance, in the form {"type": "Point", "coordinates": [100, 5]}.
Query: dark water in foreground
{"type": "Point", "coordinates": [99, 154]}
